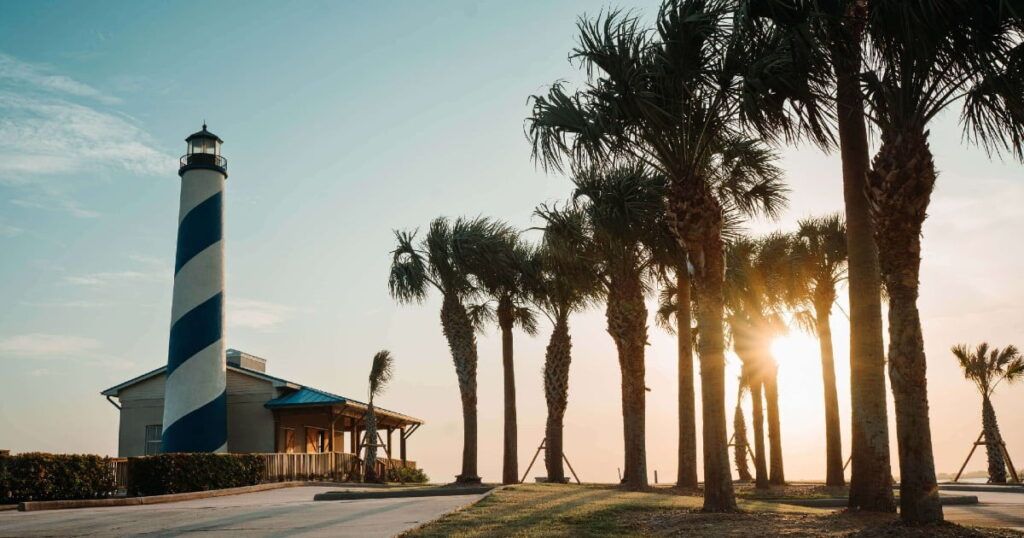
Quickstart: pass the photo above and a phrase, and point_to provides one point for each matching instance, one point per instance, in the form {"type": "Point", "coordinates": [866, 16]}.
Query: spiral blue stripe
{"type": "Point", "coordinates": [195, 399]}
{"type": "Point", "coordinates": [200, 228]}
{"type": "Point", "coordinates": [201, 430]}
{"type": "Point", "coordinates": [195, 331]}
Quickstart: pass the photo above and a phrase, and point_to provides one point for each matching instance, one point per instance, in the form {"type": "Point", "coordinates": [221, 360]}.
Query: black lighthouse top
{"type": "Point", "coordinates": [203, 153]}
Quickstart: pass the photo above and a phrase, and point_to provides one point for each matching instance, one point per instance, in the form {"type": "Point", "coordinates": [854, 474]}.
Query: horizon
{"type": "Point", "coordinates": [395, 114]}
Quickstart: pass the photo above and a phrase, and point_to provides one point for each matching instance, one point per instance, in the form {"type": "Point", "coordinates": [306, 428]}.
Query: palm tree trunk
{"type": "Point", "coordinates": [899, 188]}
{"type": "Point", "coordinates": [996, 464]}
{"type": "Point", "coordinates": [739, 428]}
{"type": "Point", "coordinates": [833, 440]}
{"type": "Point", "coordinates": [718, 492]}
{"type": "Point", "coordinates": [687, 465]}
{"type": "Point", "coordinates": [871, 473]}
{"type": "Point", "coordinates": [760, 463]}
{"type": "Point", "coordinates": [776, 474]}
{"type": "Point", "coordinates": [458, 330]}
{"type": "Point", "coordinates": [506, 320]}
{"type": "Point", "coordinates": [556, 392]}
{"type": "Point", "coordinates": [370, 465]}
{"type": "Point", "coordinates": [627, 324]}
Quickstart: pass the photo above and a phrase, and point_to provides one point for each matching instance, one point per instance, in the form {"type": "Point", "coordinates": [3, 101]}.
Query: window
{"type": "Point", "coordinates": [316, 440]}
{"type": "Point", "coordinates": [153, 433]}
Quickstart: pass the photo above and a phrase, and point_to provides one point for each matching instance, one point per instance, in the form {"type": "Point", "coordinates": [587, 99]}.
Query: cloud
{"type": "Point", "coordinates": [66, 304]}
{"type": "Point", "coordinates": [54, 130]}
{"type": "Point", "coordinates": [108, 278]}
{"type": "Point", "coordinates": [258, 315]}
{"type": "Point", "coordinates": [44, 345]}
{"type": "Point", "coordinates": [7, 230]}
{"type": "Point", "coordinates": [19, 73]}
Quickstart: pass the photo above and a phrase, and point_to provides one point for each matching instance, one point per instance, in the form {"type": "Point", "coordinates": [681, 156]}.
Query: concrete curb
{"type": "Point", "coordinates": [839, 502]}
{"type": "Point", "coordinates": [468, 505]}
{"type": "Point", "coordinates": [400, 493]}
{"type": "Point", "coordinates": [33, 506]}
{"type": "Point", "coordinates": [1010, 488]}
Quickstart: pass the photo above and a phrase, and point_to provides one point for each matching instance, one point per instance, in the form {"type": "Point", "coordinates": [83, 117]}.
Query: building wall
{"type": "Point", "coordinates": [250, 425]}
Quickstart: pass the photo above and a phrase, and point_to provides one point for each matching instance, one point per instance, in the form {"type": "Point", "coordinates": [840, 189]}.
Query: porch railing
{"type": "Point", "coordinates": [281, 467]}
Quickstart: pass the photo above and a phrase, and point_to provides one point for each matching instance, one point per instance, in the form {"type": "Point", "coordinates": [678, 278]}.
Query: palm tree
{"type": "Point", "coordinates": [443, 261]}
{"type": "Point", "coordinates": [675, 316]}
{"type": "Point", "coordinates": [739, 428]}
{"type": "Point", "coordinates": [504, 284]}
{"type": "Point", "coordinates": [926, 57]}
{"type": "Point", "coordinates": [820, 258]}
{"type": "Point", "coordinates": [753, 293]}
{"type": "Point", "coordinates": [986, 368]}
{"type": "Point", "coordinates": [821, 50]}
{"type": "Point", "coordinates": [621, 217]}
{"type": "Point", "coordinates": [380, 375]}
{"type": "Point", "coordinates": [563, 282]}
{"type": "Point", "coordinates": [666, 97]}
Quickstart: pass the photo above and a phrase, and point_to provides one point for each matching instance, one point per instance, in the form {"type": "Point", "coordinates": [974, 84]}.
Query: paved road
{"type": "Point", "coordinates": [281, 512]}
{"type": "Point", "coordinates": [993, 510]}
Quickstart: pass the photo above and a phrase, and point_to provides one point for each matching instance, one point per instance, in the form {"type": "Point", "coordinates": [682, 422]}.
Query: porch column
{"type": "Point", "coordinates": [401, 444]}
{"type": "Point", "coordinates": [389, 442]}
{"type": "Point", "coordinates": [354, 439]}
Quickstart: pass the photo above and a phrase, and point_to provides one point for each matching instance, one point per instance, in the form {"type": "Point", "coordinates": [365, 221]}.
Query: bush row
{"type": "Point", "coordinates": [180, 473]}
{"type": "Point", "coordinates": [36, 476]}
{"type": "Point", "coordinates": [405, 474]}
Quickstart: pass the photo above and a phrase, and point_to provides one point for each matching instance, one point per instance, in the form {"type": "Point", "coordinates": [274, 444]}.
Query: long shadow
{"type": "Point", "coordinates": [521, 519]}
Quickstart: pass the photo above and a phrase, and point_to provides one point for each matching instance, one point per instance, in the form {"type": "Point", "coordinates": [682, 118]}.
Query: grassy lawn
{"type": "Point", "coordinates": [601, 510]}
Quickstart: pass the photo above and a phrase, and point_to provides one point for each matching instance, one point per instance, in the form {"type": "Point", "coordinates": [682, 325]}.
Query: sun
{"type": "Point", "coordinates": [799, 360]}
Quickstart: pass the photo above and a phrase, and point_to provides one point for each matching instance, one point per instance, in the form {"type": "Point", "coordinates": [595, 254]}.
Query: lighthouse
{"type": "Point", "coordinates": [195, 399]}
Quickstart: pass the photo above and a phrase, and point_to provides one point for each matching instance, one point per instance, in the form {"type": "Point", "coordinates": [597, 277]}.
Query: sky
{"type": "Point", "coordinates": [342, 122]}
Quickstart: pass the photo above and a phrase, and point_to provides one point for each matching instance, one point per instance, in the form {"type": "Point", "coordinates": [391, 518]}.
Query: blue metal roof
{"type": "Point", "coordinates": [306, 396]}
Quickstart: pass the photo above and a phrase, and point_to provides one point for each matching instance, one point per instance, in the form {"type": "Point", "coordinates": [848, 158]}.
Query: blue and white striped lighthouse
{"type": "Point", "coordinates": [195, 400]}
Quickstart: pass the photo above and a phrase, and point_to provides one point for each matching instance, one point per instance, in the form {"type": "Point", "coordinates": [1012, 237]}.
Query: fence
{"type": "Point", "coordinates": [280, 467]}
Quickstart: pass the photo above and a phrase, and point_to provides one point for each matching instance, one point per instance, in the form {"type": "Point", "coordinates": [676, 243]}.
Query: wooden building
{"type": "Point", "coordinates": [266, 414]}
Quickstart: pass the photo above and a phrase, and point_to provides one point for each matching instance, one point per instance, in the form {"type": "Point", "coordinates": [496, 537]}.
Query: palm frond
{"type": "Point", "coordinates": [381, 372]}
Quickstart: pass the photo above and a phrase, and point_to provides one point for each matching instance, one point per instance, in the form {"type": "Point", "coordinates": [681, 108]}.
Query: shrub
{"type": "Point", "coordinates": [180, 473]}
{"type": "Point", "coordinates": [36, 476]}
{"type": "Point", "coordinates": [407, 474]}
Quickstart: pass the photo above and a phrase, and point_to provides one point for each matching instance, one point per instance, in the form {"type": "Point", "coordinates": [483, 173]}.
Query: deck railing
{"type": "Point", "coordinates": [281, 467]}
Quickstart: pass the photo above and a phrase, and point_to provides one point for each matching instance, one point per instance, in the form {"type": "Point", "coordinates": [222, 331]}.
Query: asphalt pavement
{"type": "Point", "coordinates": [281, 512]}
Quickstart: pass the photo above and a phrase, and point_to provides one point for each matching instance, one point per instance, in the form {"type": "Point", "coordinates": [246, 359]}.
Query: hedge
{"type": "Point", "coordinates": [181, 473]}
{"type": "Point", "coordinates": [407, 474]}
{"type": "Point", "coordinates": [37, 476]}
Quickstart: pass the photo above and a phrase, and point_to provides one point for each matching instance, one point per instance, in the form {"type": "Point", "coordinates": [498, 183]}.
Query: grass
{"type": "Point", "coordinates": [604, 510]}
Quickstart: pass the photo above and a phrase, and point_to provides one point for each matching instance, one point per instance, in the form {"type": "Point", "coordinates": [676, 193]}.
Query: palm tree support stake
{"type": "Point", "coordinates": [1014, 477]}
{"type": "Point", "coordinates": [543, 446]}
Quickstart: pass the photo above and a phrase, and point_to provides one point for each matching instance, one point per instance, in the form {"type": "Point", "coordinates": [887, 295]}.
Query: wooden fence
{"type": "Point", "coordinates": [280, 467]}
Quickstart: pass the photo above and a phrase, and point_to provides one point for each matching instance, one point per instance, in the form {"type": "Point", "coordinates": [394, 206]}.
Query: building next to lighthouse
{"type": "Point", "coordinates": [209, 399]}
{"type": "Point", "coordinates": [265, 414]}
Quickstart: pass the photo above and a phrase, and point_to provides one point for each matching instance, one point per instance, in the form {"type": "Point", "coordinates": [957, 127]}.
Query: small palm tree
{"type": "Point", "coordinates": [563, 281]}
{"type": "Point", "coordinates": [444, 261]}
{"type": "Point", "coordinates": [820, 259]}
{"type": "Point", "coordinates": [380, 375]}
{"type": "Point", "coordinates": [621, 216]}
{"type": "Point", "coordinates": [925, 57]}
{"type": "Point", "coordinates": [504, 285]}
{"type": "Point", "coordinates": [986, 368]}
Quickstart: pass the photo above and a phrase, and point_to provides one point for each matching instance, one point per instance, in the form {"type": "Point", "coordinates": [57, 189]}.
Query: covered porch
{"type": "Point", "coordinates": [310, 421]}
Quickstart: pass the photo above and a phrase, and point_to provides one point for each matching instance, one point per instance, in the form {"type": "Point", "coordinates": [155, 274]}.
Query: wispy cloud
{"type": "Point", "coordinates": [18, 73]}
{"type": "Point", "coordinates": [258, 315]}
{"type": "Point", "coordinates": [53, 128]}
{"type": "Point", "coordinates": [109, 278]}
{"type": "Point", "coordinates": [46, 345]}
{"type": "Point", "coordinates": [8, 230]}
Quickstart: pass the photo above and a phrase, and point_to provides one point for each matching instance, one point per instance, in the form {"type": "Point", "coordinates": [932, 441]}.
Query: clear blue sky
{"type": "Point", "coordinates": [343, 121]}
